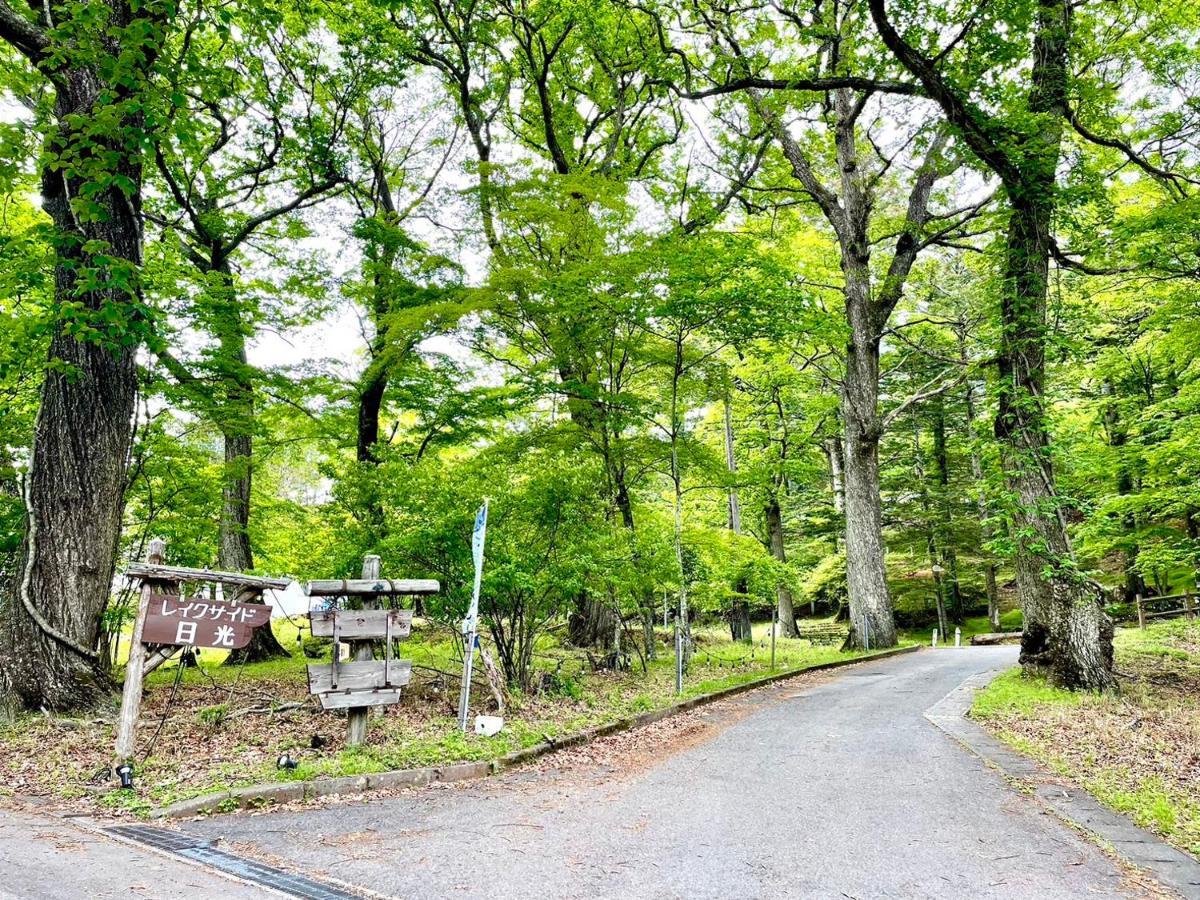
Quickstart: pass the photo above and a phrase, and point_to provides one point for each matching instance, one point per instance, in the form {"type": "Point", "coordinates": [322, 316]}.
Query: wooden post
{"type": "Point", "coordinates": [1141, 613]}
{"type": "Point", "coordinates": [1189, 608]}
{"type": "Point", "coordinates": [357, 717]}
{"type": "Point", "coordinates": [131, 698]}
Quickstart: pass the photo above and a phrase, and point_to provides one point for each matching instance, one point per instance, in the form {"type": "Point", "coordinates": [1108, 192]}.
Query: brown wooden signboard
{"type": "Point", "coordinates": [194, 622]}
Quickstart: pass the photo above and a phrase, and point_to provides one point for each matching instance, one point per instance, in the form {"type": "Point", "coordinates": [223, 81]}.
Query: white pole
{"type": "Point", "coordinates": [957, 637]}
{"type": "Point", "coordinates": [471, 622]}
{"type": "Point", "coordinates": [934, 642]}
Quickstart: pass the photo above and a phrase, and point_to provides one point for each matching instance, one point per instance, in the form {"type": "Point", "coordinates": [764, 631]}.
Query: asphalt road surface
{"type": "Point", "coordinates": [826, 786]}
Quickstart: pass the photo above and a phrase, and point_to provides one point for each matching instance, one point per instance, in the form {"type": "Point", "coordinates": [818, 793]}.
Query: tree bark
{"type": "Point", "coordinates": [50, 625]}
{"type": "Point", "coordinates": [944, 530]}
{"type": "Point", "coordinates": [236, 419]}
{"type": "Point", "coordinates": [981, 506]}
{"type": "Point", "coordinates": [866, 572]}
{"type": "Point", "coordinates": [787, 612]}
{"type": "Point", "coordinates": [1134, 584]}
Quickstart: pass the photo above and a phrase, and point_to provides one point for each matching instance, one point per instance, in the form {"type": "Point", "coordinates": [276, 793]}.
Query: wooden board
{"type": "Point", "coordinates": [356, 699]}
{"type": "Point", "coordinates": [361, 624]}
{"type": "Point", "coordinates": [192, 622]}
{"type": "Point", "coordinates": [375, 587]}
{"type": "Point", "coordinates": [359, 676]}
{"type": "Point", "coordinates": [155, 572]}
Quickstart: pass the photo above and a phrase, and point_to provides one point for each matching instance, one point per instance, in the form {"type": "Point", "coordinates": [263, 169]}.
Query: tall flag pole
{"type": "Point", "coordinates": [470, 625]}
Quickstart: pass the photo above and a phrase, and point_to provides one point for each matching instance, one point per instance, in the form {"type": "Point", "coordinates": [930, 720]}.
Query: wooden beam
{"type": "Point", "coordinates": [359, 701]}
{"type": "Point", "coordinates": [131, 696]}
{"type": "Point", "coordinates": [152, 572]}
{"type": "Point", "coordinates": [362, 650]}
{"type": "Point", "coordinates": [371, 587]}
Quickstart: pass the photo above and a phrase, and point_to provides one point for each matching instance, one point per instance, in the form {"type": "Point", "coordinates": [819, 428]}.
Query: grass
{"type": "Point", "coordinates": [1136, 750]}
{"type": "Point", "coordinates": [224, 726]}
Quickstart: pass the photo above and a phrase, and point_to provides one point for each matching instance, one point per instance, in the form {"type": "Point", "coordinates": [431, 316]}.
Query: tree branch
{"type": "Point", "coordinates": [23, 35]}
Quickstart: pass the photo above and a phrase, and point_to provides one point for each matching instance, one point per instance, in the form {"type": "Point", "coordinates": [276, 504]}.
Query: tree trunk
{"type": "Point", "coordinates": [236, 420]}
{"type": "Point", "coordinates": [1117, 439]}
{"type": "Point", "coordinates": [50, 625]}
{"type": "Point", "coordinates": [370, 403]}
{"type": "Point", "coordinates": [866, 574]}
{"type": "Point", "coordinates": [1066, 633]}
{"type": "Point", "coordinates": [787, 613]}
{"type": "Point", "coordinates": [931, 535]}
{"type": "Point", "coordinates": [944, 529]}
{"type": "Point", "coordinates": [985, 530]}
{"type": "Point", "coordinates": [739, 621]}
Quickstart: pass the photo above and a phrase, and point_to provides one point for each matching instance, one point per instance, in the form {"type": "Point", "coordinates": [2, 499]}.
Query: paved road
{"type": "Point", "coordinates": [836, 789]}
{"type": "Point", "coordinates": [44, 858]}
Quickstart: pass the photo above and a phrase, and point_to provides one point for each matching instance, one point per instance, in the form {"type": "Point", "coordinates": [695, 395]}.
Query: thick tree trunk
{"type": "Point", "coordinates": [866, 574]}
{"type": "Point", "coordinates": [1066, 632]}
{"type": "Point", "coordinates": [50, 622]}
{"type": "Point", "coordinates": [784, 603]}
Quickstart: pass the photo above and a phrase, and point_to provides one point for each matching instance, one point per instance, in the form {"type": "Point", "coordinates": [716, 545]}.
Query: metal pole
{"type": "Point", "coordinates": [867, 634]}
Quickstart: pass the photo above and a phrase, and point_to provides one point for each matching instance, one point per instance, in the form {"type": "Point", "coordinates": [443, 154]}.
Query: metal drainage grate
{"type": "Point", "coordinates": [201, 851]}
{"type": "Point", "coordinates": [159, 838]}
{"type": "Point", "coordinates": [269, 876]}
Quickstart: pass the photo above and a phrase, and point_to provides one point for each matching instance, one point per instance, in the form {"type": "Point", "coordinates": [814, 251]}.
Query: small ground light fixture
{"type": "Point", "coordinates": [285, 761]}
{"type": "Point", "coordinates": [125, 773]}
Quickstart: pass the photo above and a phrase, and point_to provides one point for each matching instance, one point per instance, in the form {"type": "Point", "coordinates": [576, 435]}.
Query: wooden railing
{"type": "Point", "coordinates": [1180, 605]}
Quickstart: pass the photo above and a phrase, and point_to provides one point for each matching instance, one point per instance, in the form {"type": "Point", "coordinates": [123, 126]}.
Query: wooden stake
{"type": "Point", "coordinates": [1141, 613]}
{"type": "Point", "coordinates": [131, 698]}
{"type": "Point", "coordinates": [357, 717]}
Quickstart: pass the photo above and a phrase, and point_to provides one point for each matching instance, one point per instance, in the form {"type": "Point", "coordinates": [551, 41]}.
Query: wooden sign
{"type": "Point", "coordinates": [362, 624]}
{"type": "Point", "coordinates": [375, 682]}
{"type": "Point", "coordinates": [193, 622]}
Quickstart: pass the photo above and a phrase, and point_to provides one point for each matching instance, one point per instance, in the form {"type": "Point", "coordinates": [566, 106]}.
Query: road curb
{"type": "Point", "coordinates": [255, 796]}
{"type": "Point", "coordinates": [1141, 848]}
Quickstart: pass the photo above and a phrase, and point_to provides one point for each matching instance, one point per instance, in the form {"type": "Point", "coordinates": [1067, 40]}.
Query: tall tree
{"type": "Point", "coordinates": [97, 61]}
{"type": "Point", "coordinates": [845, 181]}
{"type": "Point", "coordinates": [1066, 632]}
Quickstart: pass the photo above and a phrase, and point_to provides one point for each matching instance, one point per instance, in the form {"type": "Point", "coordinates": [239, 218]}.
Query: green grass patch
{"type": "Point", "coordinates": [1133, 749]}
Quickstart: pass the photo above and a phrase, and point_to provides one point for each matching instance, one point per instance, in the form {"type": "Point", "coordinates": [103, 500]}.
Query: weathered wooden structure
{"type": "Point", "coordinates": [363, 681]}
{"type": "Point", "coordinates": [166, 621]}
{"type": "Point", "coordinates": [1169, 606]}
{"type": "Point", "coordinates": [823, 632]}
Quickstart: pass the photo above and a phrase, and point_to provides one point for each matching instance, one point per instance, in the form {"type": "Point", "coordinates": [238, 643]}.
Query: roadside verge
{"type": "Point", "coordinates": [1170, 866]}
{"type": "Point", "coordinates": [254, 796]}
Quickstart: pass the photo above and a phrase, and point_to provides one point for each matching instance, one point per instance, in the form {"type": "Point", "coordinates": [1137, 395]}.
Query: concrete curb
{"type": "Point", "coordinates": [255, 796]}
{"type": "Point", "coordinates": [1141, 848]}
